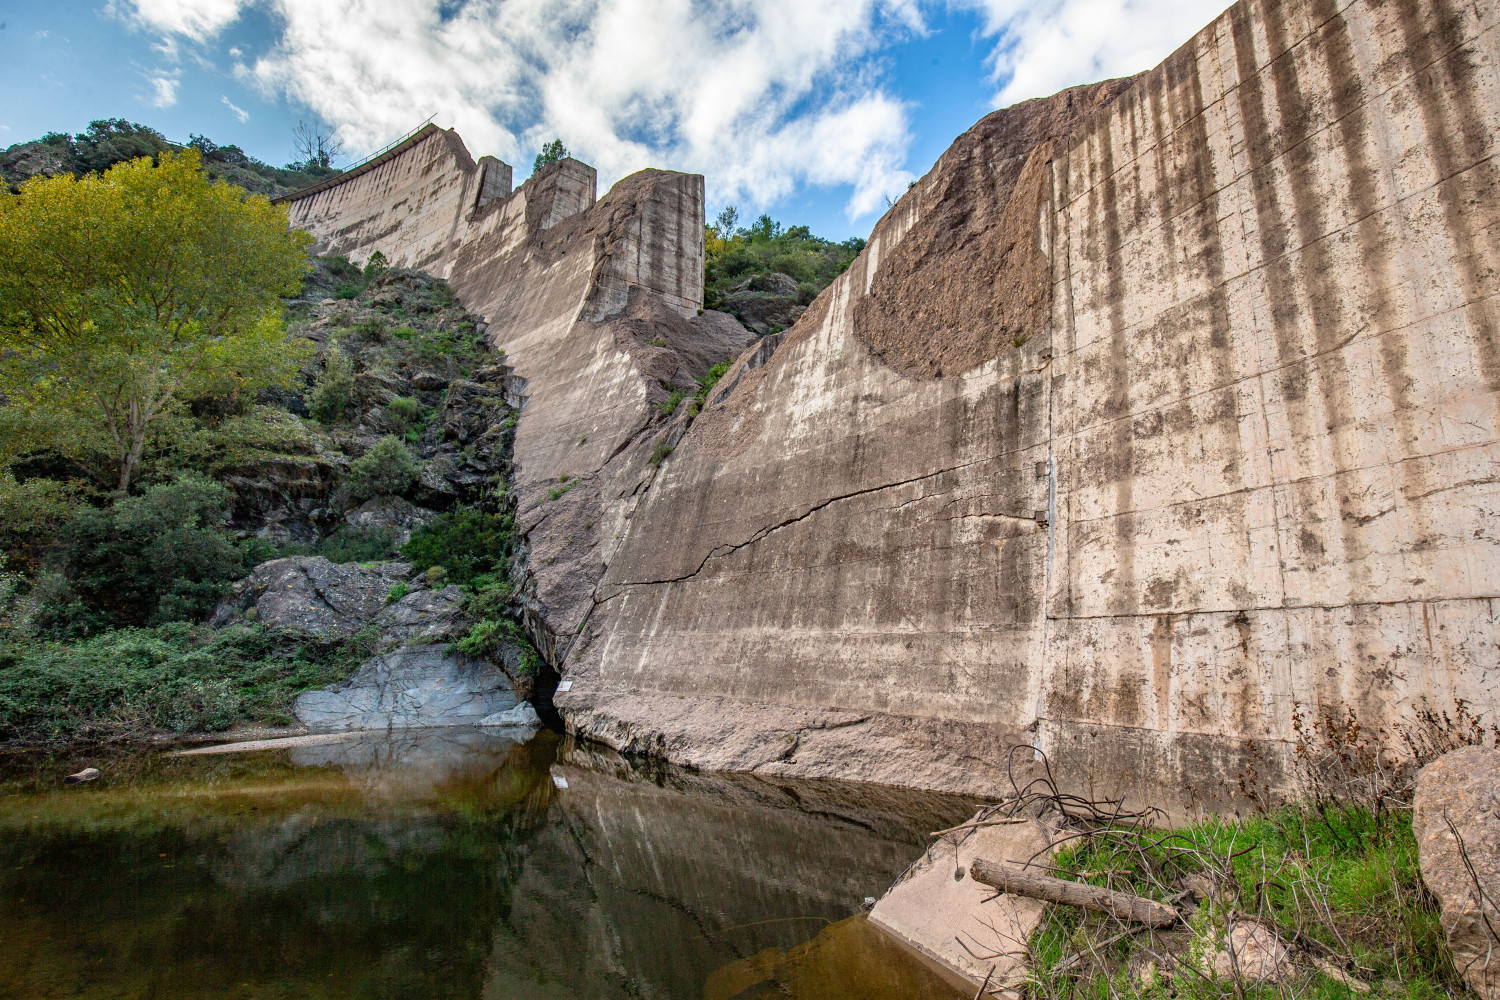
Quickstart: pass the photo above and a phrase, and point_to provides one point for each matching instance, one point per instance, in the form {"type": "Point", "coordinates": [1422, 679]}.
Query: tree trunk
{"type": "Point", "coordinates": [131, 460]}
{"type": "Point", "coordinates": [1021, 882]}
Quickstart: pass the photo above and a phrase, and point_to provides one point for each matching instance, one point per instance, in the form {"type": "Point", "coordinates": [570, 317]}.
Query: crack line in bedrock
{"type": "Point", "coordinates": [719, 551]}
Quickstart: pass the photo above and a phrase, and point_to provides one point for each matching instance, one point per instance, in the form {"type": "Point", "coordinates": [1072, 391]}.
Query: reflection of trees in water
{"type": "Point", "coordinates": [431, 866]}
{"type": "Point", "coordinates": [306, 896]}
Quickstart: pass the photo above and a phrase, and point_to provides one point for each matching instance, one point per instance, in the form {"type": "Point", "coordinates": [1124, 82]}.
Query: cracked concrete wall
{"type": "Point", "coordinates": [1276, 378]}
{"type": "Point", "coordinates": [1241, 462]}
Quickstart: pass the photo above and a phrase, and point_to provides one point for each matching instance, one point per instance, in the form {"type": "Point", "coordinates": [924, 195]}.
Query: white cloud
{"type": "Point", "coordinates": [239, 112]}
{"type": "Point", "coordinates": [759, 95]}
{"type": "Point", "coordinates": [1047, 45]}
{"type": "Point", "coordinates": [194, 19]}
{"type": "Point", "coordinates": [235, 52]}
{"type": "Point", "coordinates": [163, 90]}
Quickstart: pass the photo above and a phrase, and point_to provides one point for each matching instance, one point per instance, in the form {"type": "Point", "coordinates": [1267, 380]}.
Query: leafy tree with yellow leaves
{"type": "Point", "coordinates": [125, 294]}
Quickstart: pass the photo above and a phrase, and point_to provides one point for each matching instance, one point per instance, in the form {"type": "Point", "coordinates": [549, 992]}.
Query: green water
{"type": "Point", "coordinates": [455, 863]}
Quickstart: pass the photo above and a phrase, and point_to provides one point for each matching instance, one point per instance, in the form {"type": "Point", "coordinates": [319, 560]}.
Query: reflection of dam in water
{"type": "Point", "coordinates": [451, 863]}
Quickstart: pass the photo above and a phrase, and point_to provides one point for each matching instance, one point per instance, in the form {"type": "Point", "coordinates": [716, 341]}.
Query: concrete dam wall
{"type": "Point", "coordinates": [1160, 417]}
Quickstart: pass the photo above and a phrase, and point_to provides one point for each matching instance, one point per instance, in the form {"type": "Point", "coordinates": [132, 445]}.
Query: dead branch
{"type": "Point", "coordinates": [1055, 890]}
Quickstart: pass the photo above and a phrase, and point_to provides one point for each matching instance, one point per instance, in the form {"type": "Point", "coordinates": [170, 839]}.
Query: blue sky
{"type": "Point", "coordinates": [814, 112]}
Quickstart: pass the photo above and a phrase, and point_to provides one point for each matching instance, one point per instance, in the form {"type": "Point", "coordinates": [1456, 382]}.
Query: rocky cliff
{"type": "Point", "coordinates": [1160, 415]}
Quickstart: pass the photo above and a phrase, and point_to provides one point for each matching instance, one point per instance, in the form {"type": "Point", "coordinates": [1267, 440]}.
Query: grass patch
{"type": "Point", "coordinates": [1335, 877]}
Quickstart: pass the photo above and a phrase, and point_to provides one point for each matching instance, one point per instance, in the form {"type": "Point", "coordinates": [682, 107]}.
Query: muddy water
{"type": "Point", "coordinates": [458, 863]}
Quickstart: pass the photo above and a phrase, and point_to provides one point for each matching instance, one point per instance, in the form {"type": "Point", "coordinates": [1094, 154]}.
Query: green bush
{"type": "Point", "coordinates": [404, 412]}
{"type": "Point", "coordinates": [178, 677]}
{"type": "Point", "coordinates": [161, 556]}
{"type": "Point", "coordinates": [387, 469]}
{"type": "Point", "coordinates": [733, 253]}
{"type": "Point", "coordinates": [467, 543]}
{"type": "Point", "coordinates": [660, 452]}
{"type": "Point", "coordinates": [707, 382]}
{"type": "Point", "coordinates": [31, 515]}
{"type": "Point", "coordinates": [358, 544]}
{"type": "Point", "coordinates": [333, 389]}
{"type": "Point", "coordinates": [347, 292]}
{"type": "Point", "coordinates": [669, 405]}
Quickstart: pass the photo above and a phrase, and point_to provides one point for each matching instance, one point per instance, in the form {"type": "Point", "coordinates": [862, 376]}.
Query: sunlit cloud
{"type": "Point", "coordinates": [239, 112]}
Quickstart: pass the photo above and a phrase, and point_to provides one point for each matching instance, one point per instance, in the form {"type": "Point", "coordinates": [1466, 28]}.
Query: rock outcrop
{"type": "Point", "coordinates": [412, 687]}
{"type": "Point", "coordinates": [416, 678]}
{"type": "Point", "coordinates": [1456, 820]}
{"type": "Point", "coordinates": [312, 598]}
{"type": "Point", "coordinates": [1158, 411]}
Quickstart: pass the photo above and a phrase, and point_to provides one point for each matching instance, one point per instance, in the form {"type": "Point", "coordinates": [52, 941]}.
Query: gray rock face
{"type": "Point", "coordinates": [312, 596]}
{"type": "Point", "coordinates": [1462, 788]}
{"type": "Point", "coordinates": [423, 616]}
{"type": "Point", "coordinates": [411, 687]}
{"type": "Point", "coordinates": [400, 517]}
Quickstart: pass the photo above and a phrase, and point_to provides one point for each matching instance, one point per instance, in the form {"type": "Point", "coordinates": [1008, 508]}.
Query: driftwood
{"type": "Point", "coordinates": [1008, 878]}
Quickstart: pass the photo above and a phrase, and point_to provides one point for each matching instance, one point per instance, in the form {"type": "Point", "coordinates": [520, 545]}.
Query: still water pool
{"type": "Point", "coordinates": [452, 863]}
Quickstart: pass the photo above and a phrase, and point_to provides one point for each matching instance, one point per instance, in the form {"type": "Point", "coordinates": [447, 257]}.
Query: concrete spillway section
{"type": "Point", "coordinates": [1160, 417]}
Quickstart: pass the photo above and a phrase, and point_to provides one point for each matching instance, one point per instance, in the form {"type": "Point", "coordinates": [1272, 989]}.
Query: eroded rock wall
{"type": "Point", "coordinates": [595, 302]}
{"type": "Point", "coordinates": [1237, 464]}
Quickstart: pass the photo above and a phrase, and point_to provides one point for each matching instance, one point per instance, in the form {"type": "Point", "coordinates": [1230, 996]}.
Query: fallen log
{"type": "Point", "coordinates": [1009, 878]}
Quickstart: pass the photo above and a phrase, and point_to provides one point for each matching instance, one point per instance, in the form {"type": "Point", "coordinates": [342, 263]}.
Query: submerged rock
{"type": "Point", "coordinates": [1456, 820]}
{"type": "Point", "coordinates": [423, 685]}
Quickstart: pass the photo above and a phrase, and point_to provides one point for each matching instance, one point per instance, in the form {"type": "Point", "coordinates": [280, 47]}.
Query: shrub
{"type": "Point", "coordinates": [180, 677]}
{"type": "Point", "coordinates": [486, 636]}
{"type": "Point", "coordinates": [668, 406]}
{"type": "Point", "coordinates": [333, 388]}
{"type": "Point", "coordinates": [161, 556]}
{"type": "Point", "coordinates": [347, 292]}
{"type": "Point", "coordinates": [387, 469]}
{"type": "Point", "coordinates": [31, 514]}
{"type": "Point", "coordinates": [358, 544]}
{"type": "Point", "coordinates": [397, 592]}
{"type": "Point", "coordinates": [660, 452]}
{"type": "Point", "coordinates": [404, 411]}
{"type": "Point", "coordinates": [707, 382]}
{"type": "Point", "coordinates": [469, 544]}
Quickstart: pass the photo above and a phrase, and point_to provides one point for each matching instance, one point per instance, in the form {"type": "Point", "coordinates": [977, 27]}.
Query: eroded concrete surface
{"type": "Point", "coordinates": [1158, 412]}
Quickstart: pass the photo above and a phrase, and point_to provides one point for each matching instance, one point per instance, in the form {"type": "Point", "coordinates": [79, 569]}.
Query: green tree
{"type": "Point", "coordinates": [125, 293]}
{"type": "Point", "coordinates": [551, 153]}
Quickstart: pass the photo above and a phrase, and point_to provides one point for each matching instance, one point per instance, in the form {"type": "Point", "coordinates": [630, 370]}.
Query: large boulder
{"type": "Point", "coordinates": [422, 685]}
{"type": "Point", "coordinates": [399, 517]}
{"type": "Point", "coordinates": [310, 596]}
{"type": "Point", "coordinates": [423, 616]}
{"type": "Point", "coordinates": [1456, 820]}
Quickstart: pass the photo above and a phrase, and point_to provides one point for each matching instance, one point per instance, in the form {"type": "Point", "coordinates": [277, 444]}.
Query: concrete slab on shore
{"type": "Point", "coordinates": [964, 926]}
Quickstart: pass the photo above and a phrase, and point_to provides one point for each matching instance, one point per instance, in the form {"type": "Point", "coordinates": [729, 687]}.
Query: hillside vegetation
{"type": "Point", "coordinates": [114, 140]}
{"type": "Point", "coordinates": [381, 433]}
{"type": "Point", "coordinates": [765, 274]}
